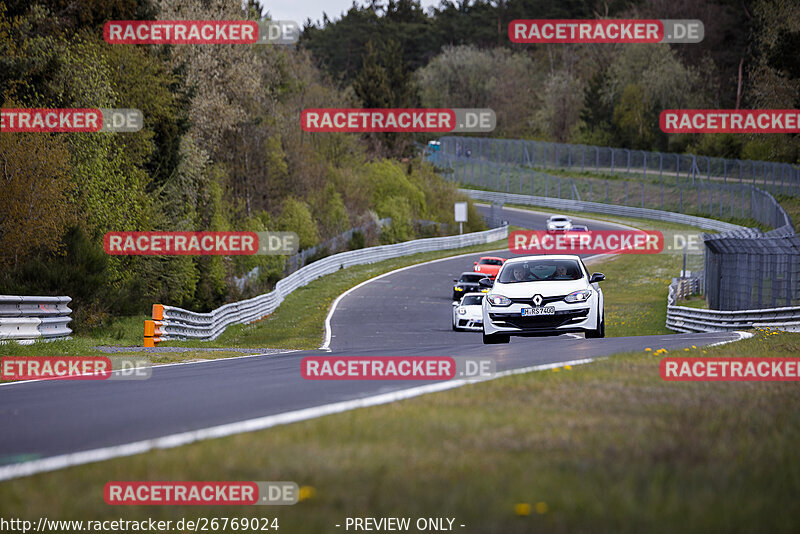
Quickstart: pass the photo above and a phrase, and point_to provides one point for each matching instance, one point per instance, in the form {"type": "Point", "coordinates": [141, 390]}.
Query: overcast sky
{"type": "Point", "coordinates": [299, 10]}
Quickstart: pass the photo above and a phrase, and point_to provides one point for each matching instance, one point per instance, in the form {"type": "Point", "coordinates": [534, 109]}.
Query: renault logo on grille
{"type": "Point", "coordinates": [537, 300]}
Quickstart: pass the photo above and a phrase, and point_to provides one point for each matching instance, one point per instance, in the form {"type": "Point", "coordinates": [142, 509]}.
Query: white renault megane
{"type": "Point", "coordinates": [543, 295]}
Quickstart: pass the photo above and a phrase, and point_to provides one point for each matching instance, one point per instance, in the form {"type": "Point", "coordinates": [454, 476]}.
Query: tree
{"type": "Point", "coordinates": [371, 84]}
{"type": "Point", "coordinates": [34, 186]}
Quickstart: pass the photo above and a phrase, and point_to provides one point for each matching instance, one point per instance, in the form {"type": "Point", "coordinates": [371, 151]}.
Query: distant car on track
{"type": "Point", "coordinates": [579, 228]}
{"type": "Point", "coordinates": [543, 295]}
{"type": "Point", "coordinates": [467, 314]}
{"type": "Point", "coordinates": [559, 223]}
{"type": "Point", "coordinates": [489, 265]}
{"type": "Point", "coordinates": [468, 283]}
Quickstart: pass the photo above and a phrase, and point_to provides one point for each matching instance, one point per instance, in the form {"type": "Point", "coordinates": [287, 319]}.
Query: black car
{"type": "Point", "coordinates": [468, 283]}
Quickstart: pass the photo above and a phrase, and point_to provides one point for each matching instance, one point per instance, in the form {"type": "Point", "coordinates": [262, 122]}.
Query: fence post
{"type": "Point", "coordinates": [662, 196]}
{"type": "Point", "coordinates": [596, 159]}
{"type": "Point", "coordinates": [612, 161]}
{"type": "Point", "coordinates": [660, 166]}
{"type": "Point", "coordinates": [741, 187]}
{"type": "Point", "coordinates": [642, 194]}
{"type": "Point", "coordinates": [680, 200]}
{"type": "Point", "coordinates": [607, 202]}
{"type": "Point", "coordinates": [626, 194]}
{"type": "Point", "coordinates": [583, 157]}
{"type": "Point", "coordinates": [644, 158]}
{"type": "Point", "coordinates": [628, 150]}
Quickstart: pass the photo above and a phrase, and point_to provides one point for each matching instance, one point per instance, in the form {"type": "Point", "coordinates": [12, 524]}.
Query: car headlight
{"type": "Point", "coordinates": [579, 296]}
{"type": "Point", "coordinates": [458, 288]}
{"type": "Point", "coordinates": [498, 300]}
{"type": "Point", "coordinates": [462, 311]}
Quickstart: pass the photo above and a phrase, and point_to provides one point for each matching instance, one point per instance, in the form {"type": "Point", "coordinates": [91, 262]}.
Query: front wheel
{"type": "Point", "coordinates": [494, 339]}
{"type": "Point", "coordinates": [600, 332]}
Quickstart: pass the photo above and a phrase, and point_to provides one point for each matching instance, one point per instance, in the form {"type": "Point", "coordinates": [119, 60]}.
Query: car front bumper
{"type": "Point", "coordinates": [576, 317]}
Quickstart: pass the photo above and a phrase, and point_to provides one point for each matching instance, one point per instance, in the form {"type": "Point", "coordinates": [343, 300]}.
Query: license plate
{"type": "Point", "coordinates": [544, 310]}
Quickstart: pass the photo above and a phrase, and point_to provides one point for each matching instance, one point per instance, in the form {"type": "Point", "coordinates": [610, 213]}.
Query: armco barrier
{"type": "Point", "coordinates": [686, 319]}
{"type": "Point", "coordinates": [25, 319]}
{"type": "Point", "coordinates": [598, 207]}
{"type": "Point", "coordinates": [171, 323]}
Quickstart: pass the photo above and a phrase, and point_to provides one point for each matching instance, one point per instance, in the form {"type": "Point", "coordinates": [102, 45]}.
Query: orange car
{"type": "Point", "coordinates": [489, 265]}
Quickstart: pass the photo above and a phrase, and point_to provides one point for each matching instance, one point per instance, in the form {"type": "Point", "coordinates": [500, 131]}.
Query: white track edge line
{"type": "Point", "coordinates": [53, 463]}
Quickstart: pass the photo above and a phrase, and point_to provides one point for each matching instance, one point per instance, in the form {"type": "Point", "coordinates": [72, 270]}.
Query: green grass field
{"type": "Point", "coordinates": [603, 447]}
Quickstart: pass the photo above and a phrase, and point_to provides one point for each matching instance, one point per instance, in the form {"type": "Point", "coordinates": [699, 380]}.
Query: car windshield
{"type": "Point", "coordinates": [558, 219]}
{"type": "Point", "coordinates": [540, 270]}
{"type": "Point", "coordinates": [472, 300]}
{"type": "Point", "coordinates": [471, 278]}
{"type": "Point", "coordinates": [486, 261]}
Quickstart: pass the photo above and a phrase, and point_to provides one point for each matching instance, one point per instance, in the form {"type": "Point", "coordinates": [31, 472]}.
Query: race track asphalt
{"type": "Point", "coordinates": [406, 313]}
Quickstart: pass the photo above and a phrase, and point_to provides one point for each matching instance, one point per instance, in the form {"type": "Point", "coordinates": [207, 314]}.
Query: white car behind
{"type": "Point", "coordinates": [543, 295]}
{"type": "Point", "coordinates": [559, 223]}
{"type": "Point", "coordinates": [467, 313]}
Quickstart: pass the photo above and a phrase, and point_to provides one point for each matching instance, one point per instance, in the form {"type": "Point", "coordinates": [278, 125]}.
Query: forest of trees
{"type": "Point", "coordinates": [458, 54]}
{"type": "Point", "coordinates": [222, 149]}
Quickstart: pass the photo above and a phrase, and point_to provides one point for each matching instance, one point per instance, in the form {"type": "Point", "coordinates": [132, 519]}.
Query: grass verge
{"type": "Point", "coordinates": [605, 447]}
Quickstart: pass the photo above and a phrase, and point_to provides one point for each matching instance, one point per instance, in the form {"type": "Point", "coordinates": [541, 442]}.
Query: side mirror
{"type": "Point", "coordinates": [597, 277]}
{"type": "Point", "coordinates": [485, 282]}
{"type": "Point", "coordinates": [474, 263]}
{"type": "Point", "coordinates": [455, 279]}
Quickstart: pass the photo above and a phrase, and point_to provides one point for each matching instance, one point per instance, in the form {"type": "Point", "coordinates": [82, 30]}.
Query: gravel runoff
{"type": "Point", "coordinates": [113, 349]}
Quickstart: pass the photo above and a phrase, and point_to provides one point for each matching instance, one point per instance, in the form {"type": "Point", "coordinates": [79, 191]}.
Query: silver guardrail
{"type": "Point", "coordinates": [599, 207]}
{"type": "Point", "coordinates": [25, 319]}
{"type": "Point", "coordinates": [171, 323]}
{"type": "Point", "coordinates": [687, 319]}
